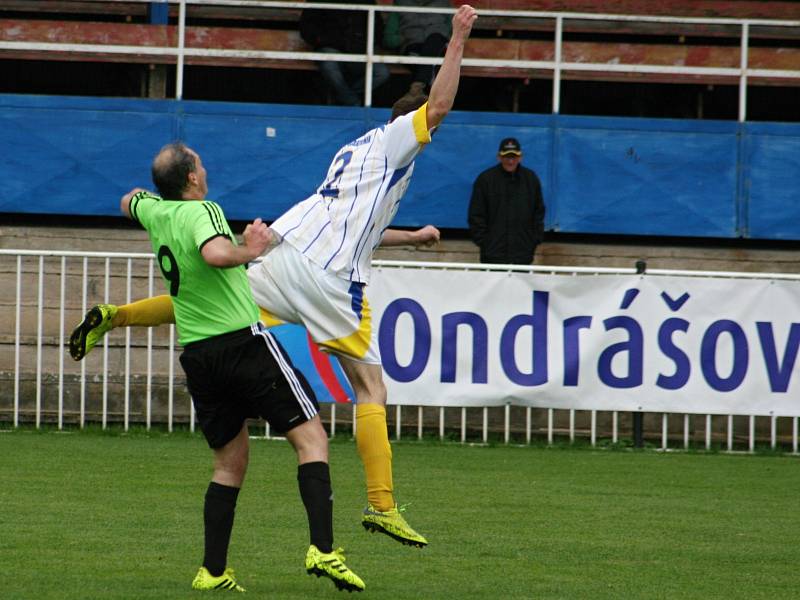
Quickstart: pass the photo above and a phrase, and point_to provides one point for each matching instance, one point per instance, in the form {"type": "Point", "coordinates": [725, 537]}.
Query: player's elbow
{"type": "Point", "coordinates": [437, 111]}
{"type": "Point", "coordinates": [215, 259]}
{"type": "Point", "coordinates": [218, 262]}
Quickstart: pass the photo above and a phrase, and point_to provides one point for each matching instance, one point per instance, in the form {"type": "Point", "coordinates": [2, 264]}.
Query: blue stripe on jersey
{"type": "Point", "coordinates": [362, 240]}
{"type": "Point", "coordinates": [398, 175]}
{"type": "Point", "coordinates": [310, 209]}
{"type": "Point", "coordinates": [358, 252]}
{"type": "Point", "coordinates": [316, 237]}
{"type": "Point", "coordinates": [353, 203]}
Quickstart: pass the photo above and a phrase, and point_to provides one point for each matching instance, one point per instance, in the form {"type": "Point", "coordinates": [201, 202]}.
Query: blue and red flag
{"type": "Point", "coordinates": [322, 371]}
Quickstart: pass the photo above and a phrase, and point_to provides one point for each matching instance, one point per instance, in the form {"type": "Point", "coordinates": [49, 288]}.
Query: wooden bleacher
{"type": "Point", "coordinates": [585, 41]}
{"type": "Point", "coordinates": [739, 9]}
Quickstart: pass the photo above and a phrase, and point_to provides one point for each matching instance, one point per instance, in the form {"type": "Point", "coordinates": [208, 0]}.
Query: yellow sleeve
{"type": "Point", "coordinates": [420, 121]}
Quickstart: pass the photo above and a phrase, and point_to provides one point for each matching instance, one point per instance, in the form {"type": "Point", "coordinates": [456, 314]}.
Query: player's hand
{"type": "Point", "coordinates": [427, 236]}
{"type": "Point", "coordinates": [257, 237]}
{"type": "Point", "coordinates": [462, 22]}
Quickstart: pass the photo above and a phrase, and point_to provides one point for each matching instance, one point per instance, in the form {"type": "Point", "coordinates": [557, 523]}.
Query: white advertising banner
{"type": "Point", "coordinates": [602, 342]}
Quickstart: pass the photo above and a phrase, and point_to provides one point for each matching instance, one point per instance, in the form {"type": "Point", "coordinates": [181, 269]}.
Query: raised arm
{"type": "Point", "coordinates": [445, 86]}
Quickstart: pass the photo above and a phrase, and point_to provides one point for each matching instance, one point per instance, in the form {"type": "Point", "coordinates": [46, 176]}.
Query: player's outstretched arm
{"type": "Point", "coordinates": [425, 236]}
{"type": "Point", "coordinates": [445, 86]}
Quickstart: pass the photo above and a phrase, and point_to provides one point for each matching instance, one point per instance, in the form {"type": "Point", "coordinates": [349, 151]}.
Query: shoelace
{"type": "Point", "coordinates": [337, 560]}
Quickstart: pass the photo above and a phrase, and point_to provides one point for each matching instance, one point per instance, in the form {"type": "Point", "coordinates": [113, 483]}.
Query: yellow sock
{"type": "Point", "coordinates": [149, 312]}
{"type": "Point", "coordinates": [372, 439]}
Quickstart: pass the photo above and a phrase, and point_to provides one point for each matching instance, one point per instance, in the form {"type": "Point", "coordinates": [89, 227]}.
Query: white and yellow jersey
{"type": "Point", "coordinates": [342, 223]}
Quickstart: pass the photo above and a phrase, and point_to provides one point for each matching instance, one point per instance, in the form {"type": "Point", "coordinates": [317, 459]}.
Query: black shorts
{"type": "Point", "coordinates": [245, 374]}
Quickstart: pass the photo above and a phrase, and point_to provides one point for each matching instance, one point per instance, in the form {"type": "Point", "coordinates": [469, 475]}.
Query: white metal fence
{"type": "Point", "coordinates": [557, 66]}
{"type": "Point", "coordinates": [47, 292]}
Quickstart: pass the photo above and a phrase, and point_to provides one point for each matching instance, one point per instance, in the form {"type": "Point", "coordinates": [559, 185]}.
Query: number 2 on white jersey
{"type": "Point", "coordinates": [330, 188]}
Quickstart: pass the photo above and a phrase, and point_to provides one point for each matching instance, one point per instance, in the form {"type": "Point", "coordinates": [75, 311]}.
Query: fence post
{"type": "Point", "coordinates": [638, 430]}
{"type": "Point", "coordinates": [638, 420]}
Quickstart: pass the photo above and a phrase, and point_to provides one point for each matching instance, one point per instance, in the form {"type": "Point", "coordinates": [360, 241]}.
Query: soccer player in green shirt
{"type": "Point", "coordinates": [235, 369]}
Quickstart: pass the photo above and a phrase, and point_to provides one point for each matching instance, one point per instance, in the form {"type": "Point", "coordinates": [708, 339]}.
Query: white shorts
{"type": "Point", "coordinates": [289, 288]}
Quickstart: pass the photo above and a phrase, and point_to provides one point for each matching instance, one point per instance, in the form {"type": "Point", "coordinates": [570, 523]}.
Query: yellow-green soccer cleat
{"type": "Point", "coordinates": [392, 523]}
{"type": "Point", "coordinates": [96, 323]}
{"type": "Point", "coordinates": [331, 565]}
{"type": "Point", "coordinates": [225, 582]}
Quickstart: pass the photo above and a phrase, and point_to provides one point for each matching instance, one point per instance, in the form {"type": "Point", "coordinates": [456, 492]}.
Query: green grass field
{"type": "Point", "coordinates": [92, 515]}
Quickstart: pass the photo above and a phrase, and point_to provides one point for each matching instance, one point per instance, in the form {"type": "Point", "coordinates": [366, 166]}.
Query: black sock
{"type": "Point", "coordinates": [218, 518]}
{"type": "Point", "coordinates": [315, 489]}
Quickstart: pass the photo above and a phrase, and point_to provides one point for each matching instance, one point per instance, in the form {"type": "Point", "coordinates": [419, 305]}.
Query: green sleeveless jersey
{"type": "Point", "coordinates": [208, 301]}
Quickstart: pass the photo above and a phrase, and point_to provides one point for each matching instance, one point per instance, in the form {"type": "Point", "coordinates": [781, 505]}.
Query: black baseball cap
{"type": "Point", "coordinates": [510, 146]}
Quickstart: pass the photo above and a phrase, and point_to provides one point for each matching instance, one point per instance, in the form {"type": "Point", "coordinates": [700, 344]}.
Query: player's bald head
{"type": "Point", "coordinates": [171, 168]}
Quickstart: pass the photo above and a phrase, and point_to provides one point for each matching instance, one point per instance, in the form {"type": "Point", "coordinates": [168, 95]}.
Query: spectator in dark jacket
{"type": "Point", "coordinates": [343, 32]}
{"type": "Point", "coordinates": [506, 211]}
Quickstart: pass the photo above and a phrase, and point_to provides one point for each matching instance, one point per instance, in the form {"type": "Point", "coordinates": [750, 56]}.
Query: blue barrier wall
{"type": "Point", "coordinates": [68, 155]}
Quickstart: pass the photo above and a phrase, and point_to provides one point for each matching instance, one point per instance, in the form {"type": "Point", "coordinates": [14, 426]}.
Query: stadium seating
{"type": "Point", "coordinates": [499, 37]}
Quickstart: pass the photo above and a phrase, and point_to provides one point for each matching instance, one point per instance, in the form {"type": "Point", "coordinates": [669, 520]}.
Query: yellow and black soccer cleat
{"type": "Point", "coordinates": [225, 582]}
{"type": "Point", "coordinates": [331, 565]}
{"type": "Point", "coordinates": [96, 323]}
{"type": "Point", "coordinates": [392, 523]}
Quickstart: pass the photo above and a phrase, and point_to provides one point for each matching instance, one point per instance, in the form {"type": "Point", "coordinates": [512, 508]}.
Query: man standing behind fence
{"type": "Point", "coordinates": [506, 210]}
{"type": "Point", "coordinates": [234, 369]}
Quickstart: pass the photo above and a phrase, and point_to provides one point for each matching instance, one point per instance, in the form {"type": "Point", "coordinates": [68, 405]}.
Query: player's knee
{"type": "Point", "coordinates": [310, 441]}
{"type": "Point", "coordinates": [317, 437]}
{"type": "Point", "coordinates": [367, 382]}
{"type": "Point", "coordinates": [375, 392]}
{"type": "Point", "coordinates": [231, 469]}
